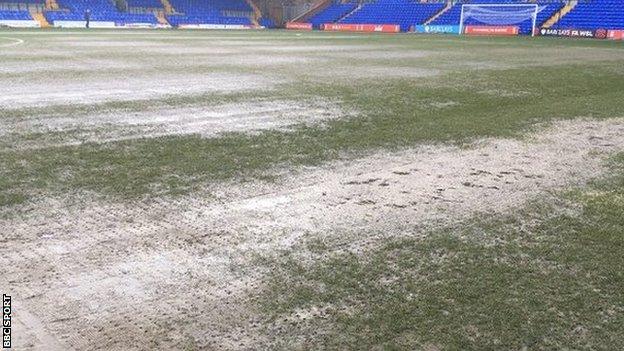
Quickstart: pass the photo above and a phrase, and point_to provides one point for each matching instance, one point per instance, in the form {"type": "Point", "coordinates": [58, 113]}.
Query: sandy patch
{"type": "Point", "coordinates": [317, 48]}
{"type": "Point", "coordinates": [186, 50]}
{"type": "Point", "coordinates": [208, 121]}
{"type": "Point", "coordinates": [179, 270]}
{"type": "Point", "coordinates": [258, 60]}
{"type": "Point", "coordinates": [480, 65]}
{"type": "Point", "coordinates": [59, 65]}
{"type": "Point", "coordinates": [111, 43]}
{"type": "Point", "coordinates": [379, 55]}
{"type": "Point", "coordinates": [213, 58]}
{"type": "Point", "coordinates": [101, 89]}
{"type": "Point", "coordinates": [376, 72]}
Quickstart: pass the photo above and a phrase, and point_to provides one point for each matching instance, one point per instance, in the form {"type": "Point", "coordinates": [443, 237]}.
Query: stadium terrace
{"type": "Point", "coordinates": [292, 175]}
{"type": "Point", "coordinates": [593, 18]}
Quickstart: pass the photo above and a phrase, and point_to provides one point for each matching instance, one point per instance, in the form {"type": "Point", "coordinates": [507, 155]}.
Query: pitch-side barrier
{"type": "Point", "coordinates": [369, 28]}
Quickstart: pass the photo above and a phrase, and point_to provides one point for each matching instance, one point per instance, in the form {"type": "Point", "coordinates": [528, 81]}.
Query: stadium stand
{"type": "Point", "coordinates": [266, 22]}
{"type": "Point", "coordinates": [546, 11]}
{"type": "Point", "coordinates": [606, 14]}
{"type": "Point", "coordinates": [232, 12]}
{"type": "Point", "coordinates": [148, 4]}
{"type": "Point", "coordinates": [180, 12]}
{"type": "Point", "coordinates": [20, 14]}
{"type": "Point", "coordinates": [450, 17]}
{"type": "Point", "coordinates": [155, 7]}
{"type": "Point", "coordinates": [25, 2]}
{"type": "Point", "coordinates": [405, 13]}
{"type": "Point", "coordinates": [101, 10]}
{"type": "Point", "coordinates": [594, 14]}
{"type": "Point", "coordinates": [20, 5]}
{"type": "Point", "coordinates": [332, 13]}
{"type": "Point", "coordinates": [15, 15]}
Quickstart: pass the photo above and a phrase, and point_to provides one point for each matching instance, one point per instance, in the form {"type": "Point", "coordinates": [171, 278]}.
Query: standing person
{"type": "Point", "coordinates": [87, 17]}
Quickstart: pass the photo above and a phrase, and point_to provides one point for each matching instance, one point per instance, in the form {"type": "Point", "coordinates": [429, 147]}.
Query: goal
{"type": "Point", "coordinates": [523, 16]}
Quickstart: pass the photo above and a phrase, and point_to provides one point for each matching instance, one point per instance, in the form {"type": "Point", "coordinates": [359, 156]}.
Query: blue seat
{"type": "Point", "coordinates": [598, 14]}
{"type": "Point", "coordinates": [267, 22]}
{"type": "Point", "coordinates": [404, 13]}
{"type": "Point", "coordinates": [331, 14]}
{"type": "Point", "coordinates": [236, 12]}
{"type": "Point", "coordinates": [34, 2]}
{"type": "Point", "coordinates": [149, 4]}
{"type": "Point", "coordinates": [101, 10]}
{"type": "Point", "coordinates": [15, 15]}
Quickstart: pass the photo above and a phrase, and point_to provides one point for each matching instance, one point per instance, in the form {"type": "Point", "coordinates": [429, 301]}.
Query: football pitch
{"type": "Point", "coordinates": [282, 190]}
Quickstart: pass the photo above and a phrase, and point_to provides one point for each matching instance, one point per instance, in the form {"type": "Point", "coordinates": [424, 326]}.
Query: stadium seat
{"type": "Point", "coordinates": [605, 14]}
{"type": "Point", "coordinates": [15, 15]}
{"type": "Point", "coordinates": [332, 13]}
{"type": "Point", "coordinates": [27, 2]}
{"type": "Point", "coordinates": [405, 13]}
{"type": "Point", "coordinates": [266, 22]}
{"type": "Point", "coordinates": [101, 10]}
{"type": "Point", "coordinates": [235, 12]}
{"type": "Point", "coordinates": [148, 4]}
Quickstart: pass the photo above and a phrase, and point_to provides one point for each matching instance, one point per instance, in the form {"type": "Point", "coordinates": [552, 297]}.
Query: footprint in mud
{"type": "Point", "coordinates": [477, 172]}
{"type": "Point", "coordinates": [401, 172]}
{"type": "Point", "coordinates": [397, 205]}
{"type": "Point", "coordinates": [472, 185]}
{"type": "Point", "coordinates": [367, 181]}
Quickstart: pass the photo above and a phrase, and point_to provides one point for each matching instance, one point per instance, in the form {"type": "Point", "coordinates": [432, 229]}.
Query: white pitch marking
{"type": "Point", "coordinates": [14, 43]}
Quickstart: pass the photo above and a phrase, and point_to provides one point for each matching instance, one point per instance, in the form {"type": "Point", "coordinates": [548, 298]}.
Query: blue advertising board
{"type": "Point", "coordinates": [436, 29]}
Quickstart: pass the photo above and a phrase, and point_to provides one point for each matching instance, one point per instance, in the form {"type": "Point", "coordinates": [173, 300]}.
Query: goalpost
{"type": "Point", "coordinates": [499, 14]}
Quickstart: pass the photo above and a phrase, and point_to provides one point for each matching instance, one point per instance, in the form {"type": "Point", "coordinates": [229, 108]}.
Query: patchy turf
{"type": "Point", "coordinates": [327, 207]}
{"type": "Point", "coordinates": [389, 115]}
{"type": "Point", "coordinates": [546, 277]}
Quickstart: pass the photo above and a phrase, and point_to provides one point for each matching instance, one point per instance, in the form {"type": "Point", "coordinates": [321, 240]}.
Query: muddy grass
{"type": "Point", "coordinates": [199, 193]}
{"type": "Point", "coordinates": [194, 259]}
{"type": "Point", "coordinates": [86, 91]}
{"type": "Point", "coordinates": [504, 282]}
{"type": "Point", "coordinates": [247, 116]}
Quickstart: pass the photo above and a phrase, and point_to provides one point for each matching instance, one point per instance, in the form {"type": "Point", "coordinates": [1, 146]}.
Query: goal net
{"type": "Point", "coordinates": [523, 16]}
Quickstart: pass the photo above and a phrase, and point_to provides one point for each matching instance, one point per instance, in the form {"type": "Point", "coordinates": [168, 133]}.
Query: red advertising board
{"type": "Point", "coordinates": [616, 35]}
{"type": "Point", "coordinates": [382, 28]}
{"type": "Point", "coordinates": [492, 30]}
{"type": "Point", "coordinates": [299, 25]}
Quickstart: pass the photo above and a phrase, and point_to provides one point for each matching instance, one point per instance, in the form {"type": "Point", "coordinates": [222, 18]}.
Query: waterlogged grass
{"type": "Point", "coordinates": [548, 277]}
{"type": "Point", "coordinates": [528, 281]}
{"type": "Point", "coordinates": [129, 106]}
{"type": "Point", "coordinates": [391, 114]}
{"type": "Point", "coordinates": [459, 104]}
